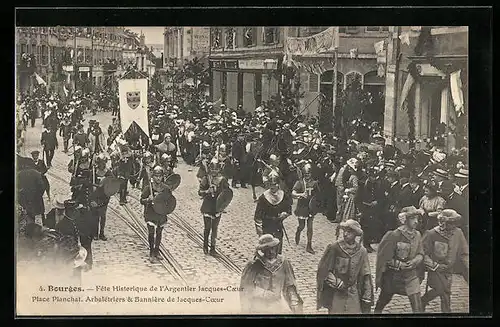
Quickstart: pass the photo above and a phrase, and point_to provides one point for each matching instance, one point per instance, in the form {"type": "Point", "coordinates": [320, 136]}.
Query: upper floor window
{"type": "Point", "coordinates": [229, 38]}
{"type": "Point", "coordinates": [249, 36]}
{"type": "Point", "coordinates": [377, 28]}
{"type": "Point", "coordinates": [353, 78]}
{"type": "Point", "coordinates": [351, 29]}
{"type": "Point", "coordinates": [216, 38]}
{"type": "Point", "coordinates": [270, 35]}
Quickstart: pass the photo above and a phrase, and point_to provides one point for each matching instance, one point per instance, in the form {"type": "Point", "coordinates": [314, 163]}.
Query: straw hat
{"type": "Point", "coordinates": [59, 203]}
{"type": "Point", "coordinates": [267, 241]}
{"type": "Point", "coordinates": [462, 173]}
{"type": "Point", "coordinates": [353, 163]}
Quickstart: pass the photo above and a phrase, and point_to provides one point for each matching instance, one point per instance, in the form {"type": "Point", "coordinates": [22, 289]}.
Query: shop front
{"type": "Point", "coordinates": [246, 82]}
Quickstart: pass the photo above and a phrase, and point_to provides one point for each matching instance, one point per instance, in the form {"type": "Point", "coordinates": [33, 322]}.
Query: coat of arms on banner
{"type": "Point", "coordinates": [133, 99]}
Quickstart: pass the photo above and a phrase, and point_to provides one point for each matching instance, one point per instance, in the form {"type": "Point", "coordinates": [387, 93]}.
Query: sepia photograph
{"type": "Point", "coordinates": [241, 170]}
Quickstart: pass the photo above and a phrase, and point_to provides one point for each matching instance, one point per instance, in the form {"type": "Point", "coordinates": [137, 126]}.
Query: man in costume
{"type": "Point", "coordinates": [268, 282]}
{"type": "Point", "coordinates": [81, 186]}
{"type": "Point", "coordinates": [155, 221]}
{"type": "Point", "coordinates": [273, 206]}
{"type": "Point", "coordinates": [238, 155]}
{"type": "Point", "coordinates": [305, 191]}
{"type": "Point", "coordinates": [100, 200]}
{"type": "Point", "coordinates": [96, 139]}
{"type": "Point", "coordinates": [399, 257]}
{"type": "Point", "coordinates": [211, 185]}
{"type": "Point", "coordinates": [446, 251]}
{"type": "Point", "coordinates": [344, 283]}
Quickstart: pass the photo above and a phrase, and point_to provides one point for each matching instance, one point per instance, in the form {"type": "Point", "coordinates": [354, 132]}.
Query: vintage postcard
{"type": "Point", "coordinates": [254, 170]}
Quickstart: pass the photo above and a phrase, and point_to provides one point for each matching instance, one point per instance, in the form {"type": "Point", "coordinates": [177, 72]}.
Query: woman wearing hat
{"type": "Point", "coordinates": [268, 282]}
{"type": "Point", "coordinates": [430, 205]}
{"type": "Point", "coordinates": [350, 182]}
{"type": "Point", "coordinates": [344, 283]}
{"type": "Point", "coordinates": [399, 257]}
{"type": "Point", "coordinates": [273, 206]}
{"type": "Point", "coordinates": [154, 221]}
{"type": "Point", "coordinates": [211, 185]}
{"type": "Point", "coordinates": [446, 251]}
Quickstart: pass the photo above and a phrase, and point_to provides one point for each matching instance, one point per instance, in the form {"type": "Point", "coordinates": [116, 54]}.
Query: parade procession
{"type": "Point", "coordinates": [312, 184]}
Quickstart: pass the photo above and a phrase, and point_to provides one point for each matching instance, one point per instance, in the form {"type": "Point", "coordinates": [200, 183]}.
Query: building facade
{"type": "Point", "coordinates": [82, 58]}
{"type": "Point", "coordinates": [244, 63]}
{"type": "Point", "coordinates": [184, 43]}
{"type": "Point", "coordinates": [427, 87]}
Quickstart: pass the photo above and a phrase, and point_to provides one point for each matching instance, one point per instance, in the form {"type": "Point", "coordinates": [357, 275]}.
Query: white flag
{"type": "Point", "coordinates": [456, 92]}
{"type": "Point", "coordinates": [40, 80]}
{"type": "Point", "coordinates": [71, 53]}
{"type": "Point", "coordinates": [134, 103]}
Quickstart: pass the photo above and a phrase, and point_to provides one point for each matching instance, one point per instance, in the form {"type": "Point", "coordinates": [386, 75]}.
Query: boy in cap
{"type": "Point", "coordinates": [268, 279]}
{"type": "Point", "coordinates": [344, 283]}
{"type": "Point", "coordinates": [445, 248]}
{"type": "Point", "coordinates": [399, 257]}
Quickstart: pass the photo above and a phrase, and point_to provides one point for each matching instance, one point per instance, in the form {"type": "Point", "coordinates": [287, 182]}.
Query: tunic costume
{"type": "Point", "coordinates": [266, 284]}
{"type": "Point", "coordinates": [211, 218]}
{"type": "Point", "coordinates": [396, 247]}
{"type": "Point", "coordinates": [311, 187]}
{"type": "Point", "coordinates": [339, 185]}
{"type": "Point", "coordinates": [267, 214]}
{"type": "Point", "coordinates": [151, 217]}
{"type": "Point", "coordinates": [350, 209]}
{"type": "Point", "coordinates": [353, 291]}
{"type": "Point", "coordinates": [446, 252]}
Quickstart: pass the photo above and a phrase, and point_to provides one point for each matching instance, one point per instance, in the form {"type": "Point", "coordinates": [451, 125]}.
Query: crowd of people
{"type": "Point", "coordinates": [414, 205]}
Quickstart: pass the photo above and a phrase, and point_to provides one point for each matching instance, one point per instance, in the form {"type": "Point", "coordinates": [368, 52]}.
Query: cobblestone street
{"type": "Point", "coordinates": [124, 257]}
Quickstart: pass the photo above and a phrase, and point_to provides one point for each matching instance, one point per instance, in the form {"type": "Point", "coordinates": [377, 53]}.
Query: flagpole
{"type": "Point", "coordinates": [335, 70]}
{"type": "Point", "coordinates": [396, 79]}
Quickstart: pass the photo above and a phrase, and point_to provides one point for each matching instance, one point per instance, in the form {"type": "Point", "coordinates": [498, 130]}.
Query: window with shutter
{"type": "Point", "coordinates": [313, 83]}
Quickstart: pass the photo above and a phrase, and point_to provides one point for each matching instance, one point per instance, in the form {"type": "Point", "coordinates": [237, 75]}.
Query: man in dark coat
{"type": "Point", "coordinates": [405, 193]}
{"type": "Point", "coordinates": [49, 143]}
{"type": "Point", "coordinates": [417, 191]}
{"type": "Point", "coordinates": [391, 192]}
{"type": "Point", "coordinates": [238, 154]}
{"type": "Point", "coordinates": [31, 188]}
{"type": "Point", "coordinates": [459, 199]}
{"type": "Point", "coordinates": [42, 169]}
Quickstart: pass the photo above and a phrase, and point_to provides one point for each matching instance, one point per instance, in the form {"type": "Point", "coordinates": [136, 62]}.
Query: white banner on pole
{"type": "Point", "coordinates": [134, 103]}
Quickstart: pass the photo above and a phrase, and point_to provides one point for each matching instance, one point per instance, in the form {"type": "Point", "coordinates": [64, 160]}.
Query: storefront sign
{"type": "Point", "coordinates": [68, 68]}
{"type": "Point", "coordinates": [258, 64]}
{"type": "Point", "coordinates": [84, 69]}
{"type": "Point", "coordinates": [233, 64]}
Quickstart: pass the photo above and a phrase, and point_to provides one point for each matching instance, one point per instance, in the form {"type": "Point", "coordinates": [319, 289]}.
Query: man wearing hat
{"type": "Point", "coordinates": [56, 214]}
{"type": "Point", "coordinates": [459, 199]}
{"type": "Point", "coordinates": [80, 138]}
{"type": "Point", "coordinates": [392, 191]}
{"type": "Point", "coordinates": [99, 200]}
{"type": "Point", "coordinates": [446, 251]}
{"type": "Point", "coordinates": [96, 139]}
{"type": "Point", "coordinates": [268, 282]}
{"type": "Point", "coordinates": [399, 257]}
{"type": "Point", "coordinates": [211, 185]}
{"type": "Point", "coordinates": [344, 283]}
{"type": "Point", "coordinates": [238, 155]}
{"type": "Point", "coordinates": [445, 186]}
{"type": "Point", "coordinates": [327, 173]}
{"type": "Point", "coordinates": [371, 196]}
{"type": "Point", "coordinates": [49, 144]}
{"type": "Point", "coordinates": [40, 166]}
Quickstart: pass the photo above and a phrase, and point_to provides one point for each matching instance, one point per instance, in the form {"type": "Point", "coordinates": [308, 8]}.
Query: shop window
{"type": "Point", "coordinates": [372, 78]}
{"type": "Point", "coordinates": [271, 35]}
{"type": "Point", "coordinates": [326, 83]}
